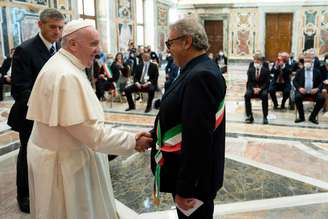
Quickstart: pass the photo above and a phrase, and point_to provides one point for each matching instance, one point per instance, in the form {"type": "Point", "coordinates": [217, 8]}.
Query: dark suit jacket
{"type": "Point", "coordinates": [152, 73]}
{"type": "Point", "coordinates": [264, 79]}
{"type": "Point", "coordinates": [218, 58]}
{"type": "Point", "coordinates": [324, 73]}
{"type": "Point", "coordinates": [171, 69]}
{"type": "Point", "coordinates": [286, 74]}
{"type": "Point", "coordinates": [5, 66]}
{"type": "Point", "coordinates": [299, 80]}
{"type": "Point", "coordinates": [117, 71]}
{"type": "Point", "coordinates": [28, 59]}
{"type": "Point", "coordinates": [192, 101]}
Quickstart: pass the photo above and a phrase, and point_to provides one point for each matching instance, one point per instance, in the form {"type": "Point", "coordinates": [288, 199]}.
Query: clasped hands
{"type": "Point", "coordinates": [145, 85]}
{"type": "Point", "coordinates": [256, 90]}
{"type": "Point", "coordinates": [143, 141]}
{"type": "Point", "coordinates": [313, 90]}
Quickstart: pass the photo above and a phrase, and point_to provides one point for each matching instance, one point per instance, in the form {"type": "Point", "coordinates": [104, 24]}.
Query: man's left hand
{"type": "Point", "coordinates": [184, 203]}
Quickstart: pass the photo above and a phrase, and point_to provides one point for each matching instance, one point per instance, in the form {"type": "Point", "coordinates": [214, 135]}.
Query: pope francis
{"type": "Point", "coordinates": [67, 161]}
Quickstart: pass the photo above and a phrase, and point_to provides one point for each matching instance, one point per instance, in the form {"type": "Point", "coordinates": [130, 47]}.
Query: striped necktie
{"type": "Point", "coordinates": [52, 50]}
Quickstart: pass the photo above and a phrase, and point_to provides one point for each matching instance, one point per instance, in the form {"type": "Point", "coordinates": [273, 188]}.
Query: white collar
{"type": "Point", "coordinates": [47, 43]}
{"type": "Point", "coordinates": [72, 58]}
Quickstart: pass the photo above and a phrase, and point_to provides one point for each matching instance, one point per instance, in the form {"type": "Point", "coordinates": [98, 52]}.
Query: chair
{"type": "Point", "coordinates": [307, 98]}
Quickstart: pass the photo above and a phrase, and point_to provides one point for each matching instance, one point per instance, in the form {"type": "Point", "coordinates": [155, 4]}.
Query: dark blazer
{"type": "Point", "coordinates": [192, 101]}
{"type": "Point", "coordinates": [5, 66]}
{"type": "Point", "coordinates": [28, 59]}
{"type": "Point", "coordinates": [154, 56]}
{"type": "Point", "coordinates": [152, 73]}
{"type": "Point", "coordinates": [218, 58]}
{"type": "Point", "coordinates": [264, 79]}
{"type": "Point", "coordinates": [324, 72]}
{"type": "Point", "coordinates": [117, 70]}
{"type": "Point", "coordinates": [292, 66]}
{"type": "Point", "coordinates": [171, 69]}
{"type": "Point", "coordinates": [299, 80]}
{"type": "Point", "coordinates": [286, 74]}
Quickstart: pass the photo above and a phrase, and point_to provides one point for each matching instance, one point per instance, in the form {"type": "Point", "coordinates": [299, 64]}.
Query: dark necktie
{"type": "Point", "coordinates": [52, 50]}
{"type": "Point", "coordinates": [257, 74]}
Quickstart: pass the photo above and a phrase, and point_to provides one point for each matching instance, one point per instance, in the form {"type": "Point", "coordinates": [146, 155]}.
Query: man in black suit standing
{"type": "Point", "coordinates": [145, 80]}
{"type": "Point", "coordinates": [28, 59]}
{"type": "Point", "coordinates": [189, 132]}
{"type": "Point", "coordinates": [308, 82]}
{"type": "Point", "coordinates": [258, 79]}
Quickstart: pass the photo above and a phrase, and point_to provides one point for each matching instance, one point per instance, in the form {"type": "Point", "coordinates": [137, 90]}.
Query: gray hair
{"type": "Point", "coordinates": [190, 26]}
{"type": "Point", "coordinates": [50, 13]}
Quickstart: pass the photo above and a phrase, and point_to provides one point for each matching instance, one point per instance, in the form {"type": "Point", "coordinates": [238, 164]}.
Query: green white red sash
{"type": "Point", "coordinates": [171, 142]}
{"type": "Point", "coordinates": [109, 75]}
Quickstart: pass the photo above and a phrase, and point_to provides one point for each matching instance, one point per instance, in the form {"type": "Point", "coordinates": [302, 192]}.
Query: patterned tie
{"type": "Point", "coordinates": [52, 50]}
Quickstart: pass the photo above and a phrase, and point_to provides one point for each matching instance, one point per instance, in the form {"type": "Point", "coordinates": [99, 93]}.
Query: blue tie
{"type": "Point", "coordinates": [52, 50]}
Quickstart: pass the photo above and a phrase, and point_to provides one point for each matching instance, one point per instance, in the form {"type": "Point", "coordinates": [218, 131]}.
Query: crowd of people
{"type": "Point", "coordinates": [134, 71]}
{"type": "Point", "coordinates": [304, 79]}
{"type": "Point", "coordinates": [62, 165]}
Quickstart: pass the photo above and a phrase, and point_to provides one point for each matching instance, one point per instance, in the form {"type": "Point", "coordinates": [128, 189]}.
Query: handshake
{"type": "Point", "coordinates": [143, 141]}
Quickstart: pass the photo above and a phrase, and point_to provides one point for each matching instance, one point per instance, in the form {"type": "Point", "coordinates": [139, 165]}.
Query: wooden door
{"type": "Point", "coordinates": [214, 31]}
{"type": "Point", "coordinates": [278, 34]}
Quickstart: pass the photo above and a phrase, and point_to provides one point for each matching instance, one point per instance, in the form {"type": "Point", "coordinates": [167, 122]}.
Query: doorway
{"type": "Point", "coordinates": [214, 31]}
{"type": "Point", "coordinates": [278, 34]}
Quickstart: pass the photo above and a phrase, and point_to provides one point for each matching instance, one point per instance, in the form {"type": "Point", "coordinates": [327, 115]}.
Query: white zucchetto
{"type": "Point", "coordinates": [75, 25]}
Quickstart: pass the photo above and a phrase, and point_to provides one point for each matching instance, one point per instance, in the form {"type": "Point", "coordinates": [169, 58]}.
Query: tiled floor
{"type": "Point", "coordinates": [272, 171]}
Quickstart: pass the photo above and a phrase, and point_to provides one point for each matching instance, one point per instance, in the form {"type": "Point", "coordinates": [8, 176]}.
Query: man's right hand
{"type": "Point", "coordinates": [302, 90]}
{"type": "Point", "coordinates": [143, 141]}
{"type": "Point", "coordinates": [256, 90]}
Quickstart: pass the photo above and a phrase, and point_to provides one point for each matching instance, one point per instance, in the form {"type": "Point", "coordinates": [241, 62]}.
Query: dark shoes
{"type": "Point", "coordinates": [148, 109]}
{"type": "Point", "coordinates": [265, 121]}
{"type": "Point", "coordinates": [299, 120]}
{"type": "Point", "coordinates": [130, 108]}
{"type": "Point", "coordinates": [282, 107]}
{"type": "Point", "coordinates": [24, 204]}
{"type": "Point", "coordinates": [313, 120]}
{"type": "Point", "coordinates": [249, 119]}
{"type": "Point", "coordinates": [275, 107]}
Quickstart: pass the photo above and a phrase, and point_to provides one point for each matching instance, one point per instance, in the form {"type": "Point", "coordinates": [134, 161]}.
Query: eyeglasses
{"type": "Point", "coordinates": [168, 43]}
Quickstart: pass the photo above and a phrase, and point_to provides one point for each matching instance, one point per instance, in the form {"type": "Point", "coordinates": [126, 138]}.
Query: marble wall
{"type": "Point", "coordinates": [19, 18]}
{"type": "Point", "coordinates": [162, 25]}
{"type": "Point", "coordinates": [315, 29]}
{"type": "Point", "coordinates": [243, 36]}
{"type": "Point", "coordinates": [244, 25]}
{"type": "Point", "coordinates": [125, 23]}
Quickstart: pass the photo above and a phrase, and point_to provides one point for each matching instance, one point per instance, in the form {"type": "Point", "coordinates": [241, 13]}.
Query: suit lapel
{"type": "Point", "coordinates": [180, 78]}
{"type": "Point", "coordinates": [43, 50]}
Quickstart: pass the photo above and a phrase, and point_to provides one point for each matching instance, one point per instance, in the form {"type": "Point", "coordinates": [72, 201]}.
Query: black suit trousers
{"type": "Point", "coordinates": [263, 96]}
{"type": "Point", "coordinates": [133, 88]}
{"type": "Point", "coordinates": [319, 102]}
{"type": "Point", "coordinates": [22, 170]}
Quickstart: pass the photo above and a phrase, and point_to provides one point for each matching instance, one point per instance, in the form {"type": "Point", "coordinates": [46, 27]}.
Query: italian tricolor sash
{"type": "Point", "coordinates": [109, 75]}
{"type": "Point", "coordinates": [170, 141]}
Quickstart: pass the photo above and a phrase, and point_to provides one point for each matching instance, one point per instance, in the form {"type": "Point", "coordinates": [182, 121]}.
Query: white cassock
{"type": "Point", "coordinates": [67, 151]}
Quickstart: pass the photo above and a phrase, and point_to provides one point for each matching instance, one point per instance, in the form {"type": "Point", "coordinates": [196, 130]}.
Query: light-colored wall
{"type": "Point", "coordinates": [241, 17]}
